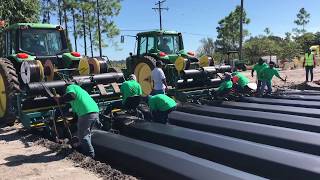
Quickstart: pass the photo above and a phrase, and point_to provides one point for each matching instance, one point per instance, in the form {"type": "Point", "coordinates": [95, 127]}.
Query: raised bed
{"type": "Point", "coordinates": [275, 119]}
{"type": "Point", "coordinates": [157, 162]}
{"type": "Point", "coordinates": [293, 139]}
{"type": "Point", "coordinates": [263, 160]}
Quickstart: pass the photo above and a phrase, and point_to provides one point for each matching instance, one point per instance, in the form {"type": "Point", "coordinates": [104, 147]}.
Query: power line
{"type": "Point", "coordinates": [159, 8]}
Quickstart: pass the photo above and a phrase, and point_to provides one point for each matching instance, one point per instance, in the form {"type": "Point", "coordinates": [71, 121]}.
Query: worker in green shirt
{"type": "Point", "coordinates": [130, 88]}
{"type": "Point", "coordinates": [225, 86]}
{"type": "Point", "coordinates": [258, 68]}
{"type": "Point", "coordinates": [87, 111]}
{"type": "Point", "coordinates": [240, 81]}
{"type": "Point", "coordinates": [267, 75]}
{"type": "Point", "coordinates": [160, 106]}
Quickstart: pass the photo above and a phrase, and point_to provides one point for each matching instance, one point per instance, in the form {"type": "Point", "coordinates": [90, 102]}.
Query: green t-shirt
{"type": "Point", "coordinates": [225, 85]}
{"type": "Point", "coordinates": [130, 88]}
{"type": "Point", "coordinates": [83, 104]}
{"type": "Point", "coordinates": [268, 73]}
{"type": "Point", "coordinates": [243, 80]}
{"type": "Point", "coordinates": [258, 68]}
{"type": "Point", "coordinates": [161, 102]}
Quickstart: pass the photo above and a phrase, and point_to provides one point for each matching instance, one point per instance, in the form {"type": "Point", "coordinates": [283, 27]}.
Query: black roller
{"type": "Point", "coordinates": [297, 140]}
{"type": "Point", "coordinates": [38, 88]}
{"type": "Point", "coordinates": [157, 162]}
{"type": "Point", "coordinates": [282, 102]}
{"type": "Point", "coordinates": [300, 111]}
{"type": "Point", "coordinates": [223, 68]}
{"type": "Point", "coordinates": [276, 119]}
{"type": "Point", "coordinates": [191, 74]}
{"type": "Point", "coordinates": [263, 160]}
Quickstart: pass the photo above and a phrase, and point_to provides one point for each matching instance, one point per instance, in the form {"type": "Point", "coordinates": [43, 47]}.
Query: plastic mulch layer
{"type": "Point", "coordinates": [263, 160]}
{"type": "Point", "coordinates": [275, 119]}
{"type": "Point", "coordinates": [297, 97]}
{"type": "Point", "coordinates": [309, 112]}
{"type": "Point", "coordinates": [153, 161]}
{"type": "Point", "coordinates": [282, 102]}
{"type": "Point", "coordinates": [293, 139]}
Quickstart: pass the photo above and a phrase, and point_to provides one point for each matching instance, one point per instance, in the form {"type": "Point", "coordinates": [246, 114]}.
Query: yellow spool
{"type": "Point", "coordinates": [3, 97]}
{"type": "Point", "coordinates": [96, 65]}
{"type": "Point", "coordinates": [204, 61]}
{"type": "Point", "coordinates": [83, 67]}
{"type": "Point", "coordinates": [180, 64]}
{"type": "Point", "coordinates": [143, 74]}
{"type": "Point", "coordinates": [41, 70]}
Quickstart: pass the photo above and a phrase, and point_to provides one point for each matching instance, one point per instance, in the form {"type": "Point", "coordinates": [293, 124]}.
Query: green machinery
{"type": "Point", "coordinates": [234, 62]}
{"type": "Point", "coordinates": [36, 63]}
{"type": "Point", "coordinates": [187, 75]}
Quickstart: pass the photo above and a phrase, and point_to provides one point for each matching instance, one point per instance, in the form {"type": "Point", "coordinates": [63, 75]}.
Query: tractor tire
{"type": "Point", "coordinates": [9, 86]}
{"type": "Point", "coordinates": [142, 69]}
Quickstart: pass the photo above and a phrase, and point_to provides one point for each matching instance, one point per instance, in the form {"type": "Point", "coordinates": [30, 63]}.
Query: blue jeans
{"type": "Point", "coordinates": [264, 84]}
{"type": "Point", "coordinates": [155, 92]}
{"type": "Point", "coordinates": [259, 86]}
{"type": "Point", "coordinates": [309, 69]}
{"type": "Point", "coordinates": [85, 125]}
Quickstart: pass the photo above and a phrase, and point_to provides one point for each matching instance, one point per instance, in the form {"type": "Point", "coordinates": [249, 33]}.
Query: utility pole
{"type": "Point", "coordinates": [241, 31]}
{"type": "Point", "coordinates": [99, 30]}
{"type": "Point", "coordinates": [84, 31]}
{"type": "Point", "coordinates": [159, 8]}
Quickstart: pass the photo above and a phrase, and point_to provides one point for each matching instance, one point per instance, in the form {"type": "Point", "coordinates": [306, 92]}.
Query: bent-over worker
{"type": "Point", "coordinates": [160, 106]}
{"type": "Point", "coordinates": [130, 88]}
{"type": "Point", "coordinates": [225, 87]}
{"type": "Point", "coordinates": [240, 81]}
{"type": "Point", "coordinates": [87, 111]}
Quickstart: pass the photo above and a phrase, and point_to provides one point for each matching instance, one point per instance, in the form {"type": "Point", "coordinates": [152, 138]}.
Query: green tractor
{"type": "Point", "coordinates": [234, 62]}
{"type": "Point", "coordinates": [35, 64]}
{"type": "Point", "coordinates": [183, 70]}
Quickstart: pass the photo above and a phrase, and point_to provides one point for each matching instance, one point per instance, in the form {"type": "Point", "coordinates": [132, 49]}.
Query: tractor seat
{"type": "Point", "coordinates": [132, 102]}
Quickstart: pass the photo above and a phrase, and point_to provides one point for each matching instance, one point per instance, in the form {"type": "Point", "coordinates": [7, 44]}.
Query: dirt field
{"type": "Point", "coordinates": [25, 156]}
{"type": "Point", "coordinates": [295, 79]}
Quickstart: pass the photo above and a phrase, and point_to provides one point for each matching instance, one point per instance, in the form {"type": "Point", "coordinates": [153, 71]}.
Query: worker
{"type": "Point", "coordinates": [87, 111]}
{"type": "Point", "coordinates": [309, 63]}
{"type": "Point", "coordinates": [225, 86]}
{"type": "Point", "coordinates": [160, 106]}
{"type": "Point", "coordinates": [130, 88]}
{"type": "Point", "coordinates": [240, 82]}
{"type": "Point", "coordinates": [258, 68]}
{"type": "Point", "coordinates": [159, 80]}
{"type": "Point", "coordinates": [163, 46]}
{"type": "Point", "coordinates": [267, 75]}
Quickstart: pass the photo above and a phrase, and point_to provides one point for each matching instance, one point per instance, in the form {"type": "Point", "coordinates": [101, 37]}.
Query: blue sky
{"type": "Point", "coordinates": [199, 19]}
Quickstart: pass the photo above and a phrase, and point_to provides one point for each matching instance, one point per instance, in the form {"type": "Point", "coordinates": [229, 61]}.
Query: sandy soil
{"type": "Point", "coordinates": [295, 79]}
{"type": "Point", "coordinates": [26, 156]}
{"type": "Point", "coordinates": [20, 159]}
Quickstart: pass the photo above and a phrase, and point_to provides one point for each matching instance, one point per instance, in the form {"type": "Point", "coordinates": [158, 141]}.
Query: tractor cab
{"type": "Point", "coordinates": [159, 43]}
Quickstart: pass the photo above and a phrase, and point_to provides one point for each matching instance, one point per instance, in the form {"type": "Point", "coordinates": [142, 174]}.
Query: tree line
{"type": "Point", "coordinates": [293, 44]}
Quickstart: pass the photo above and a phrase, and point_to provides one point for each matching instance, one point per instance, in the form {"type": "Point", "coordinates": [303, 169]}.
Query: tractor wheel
{"type": "Point", "coordinates": [9, 85]}
{"type": "Point", "coordinates": [142, 69]}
